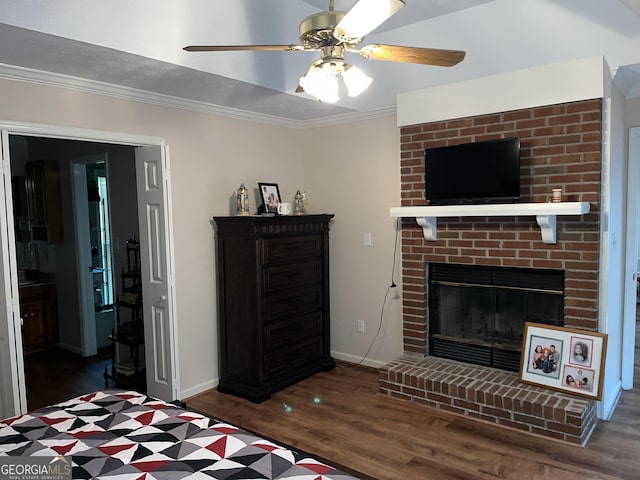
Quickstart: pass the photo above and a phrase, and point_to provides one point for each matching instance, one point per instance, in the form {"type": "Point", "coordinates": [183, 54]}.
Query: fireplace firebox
{"type": "Point", "coordinates": [477, 313]}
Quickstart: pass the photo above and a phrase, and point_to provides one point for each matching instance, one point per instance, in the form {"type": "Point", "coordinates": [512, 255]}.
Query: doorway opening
{"type": "Point", "coordinates": [152, 209]}
{"type": "Point", "coordinates": [81, 306]}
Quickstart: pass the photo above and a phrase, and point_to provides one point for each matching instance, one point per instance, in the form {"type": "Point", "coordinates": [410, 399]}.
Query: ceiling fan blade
{"type": "Point", "coordinates": [364, 16]}
{"type": "Point", "coordinates": [233, 48]}
{"type": "Point", "coordinates": [424, 56]}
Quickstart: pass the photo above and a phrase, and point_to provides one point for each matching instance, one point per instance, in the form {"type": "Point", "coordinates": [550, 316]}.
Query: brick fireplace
{"type": "Point", "coordinates": [560, 148]}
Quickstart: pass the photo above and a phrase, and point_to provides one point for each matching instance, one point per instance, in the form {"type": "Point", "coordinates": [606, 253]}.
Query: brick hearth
{"type": "Point", "coordinates": [489, 394]}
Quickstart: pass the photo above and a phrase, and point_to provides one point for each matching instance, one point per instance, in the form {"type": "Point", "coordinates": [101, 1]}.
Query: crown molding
{"type": "Point", "coordinates": [350, 117]}
{"type": "Point", "coordinates": [40, 77]}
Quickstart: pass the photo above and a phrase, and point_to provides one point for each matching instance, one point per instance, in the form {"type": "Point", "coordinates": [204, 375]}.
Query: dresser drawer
{"type": "Point", "coordinates": [281, 361]}
{"type": "Point", "coordinates": [291, 330]}
{"type": "Point", "coordinates": [292, 303]}
{"type": "Point", "coordinates": [280, 249]}
{"type": "Point", "coordinates": [290, 275]}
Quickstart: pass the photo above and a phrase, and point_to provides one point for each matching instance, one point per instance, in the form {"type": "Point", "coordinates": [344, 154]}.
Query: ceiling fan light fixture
{"type": "Point", "coordinates": [356, 81]}
{"type": "Point", "coordinates": [321, 81]}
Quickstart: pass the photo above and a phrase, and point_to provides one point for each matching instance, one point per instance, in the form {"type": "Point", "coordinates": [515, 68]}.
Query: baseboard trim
{"type": "Point", "coordinates": [69, 348]}
{"type": "Point", "coordinates": [607, 406]}
{"type": "Point", "coordinates": [345, 357]}
{"type": "Point", "coordinates": [198, 389]}
{"type": "Point", "coordinates": [367, 362]}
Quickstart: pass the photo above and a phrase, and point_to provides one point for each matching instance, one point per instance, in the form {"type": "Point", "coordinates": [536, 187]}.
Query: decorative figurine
{"type": "Point", "coordinates": [298, 204]}
{"type": "Point", "coordinates": [242, 201]}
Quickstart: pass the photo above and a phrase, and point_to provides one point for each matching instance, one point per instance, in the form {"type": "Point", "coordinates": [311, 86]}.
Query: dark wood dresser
{"type": "Point", "coordinates": [273, 297]}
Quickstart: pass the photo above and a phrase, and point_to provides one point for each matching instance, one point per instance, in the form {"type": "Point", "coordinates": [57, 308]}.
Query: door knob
{"type": "Point", "coordinates": [163, 298]}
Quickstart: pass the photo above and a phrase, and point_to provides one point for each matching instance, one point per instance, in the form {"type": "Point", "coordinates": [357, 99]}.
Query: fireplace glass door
{"type": "Point", "coordinates": [479, 318]}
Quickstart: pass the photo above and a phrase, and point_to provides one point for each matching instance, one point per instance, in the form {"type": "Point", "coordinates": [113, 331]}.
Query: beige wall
{"type": "Point", "coordinates": [354, 175]}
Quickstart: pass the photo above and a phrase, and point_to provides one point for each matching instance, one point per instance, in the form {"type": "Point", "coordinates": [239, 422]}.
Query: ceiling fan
{"type": "Point", "coordinates": [333, 33]}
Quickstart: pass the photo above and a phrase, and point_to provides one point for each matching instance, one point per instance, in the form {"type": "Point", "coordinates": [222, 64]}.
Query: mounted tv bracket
{"type": "Point", "coordinates": [545, 213]}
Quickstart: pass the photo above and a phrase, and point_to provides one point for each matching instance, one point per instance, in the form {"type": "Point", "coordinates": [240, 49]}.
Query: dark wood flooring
{"type": "Point", "coordinates": [353, 425]}
{"type": "Point", "coordinates": [56, 375]}
{"type": "Point", "coordinates": [340, 416]}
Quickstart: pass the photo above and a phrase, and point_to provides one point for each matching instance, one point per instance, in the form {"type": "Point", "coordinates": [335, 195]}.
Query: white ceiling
{"type": "Point", "coordinates": [138, 44]}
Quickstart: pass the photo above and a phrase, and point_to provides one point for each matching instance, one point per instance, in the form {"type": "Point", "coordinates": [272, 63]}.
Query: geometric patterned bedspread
{"type": "Point", "coordinates": [118, 434]}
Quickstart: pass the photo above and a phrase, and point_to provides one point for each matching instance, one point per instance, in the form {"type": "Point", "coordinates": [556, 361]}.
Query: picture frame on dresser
{"type": "Point", "coordinates": [564, 359]}
{"type": "Point", "coordinates": [270, 194]}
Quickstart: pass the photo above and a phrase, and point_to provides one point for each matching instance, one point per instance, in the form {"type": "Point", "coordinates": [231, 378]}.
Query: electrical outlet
{"type": "Point", "coordinates": [361, 326]}
{"type": "Point", "coordinates": [366, 239]}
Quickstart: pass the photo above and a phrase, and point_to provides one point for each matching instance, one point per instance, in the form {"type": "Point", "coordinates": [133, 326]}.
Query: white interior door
{"type": "Point", "coordinates": [13, 396]}
{"type": "Point", "coordinates": [631, 258]}
{"type": "Point", "coordinates": [158, 286]}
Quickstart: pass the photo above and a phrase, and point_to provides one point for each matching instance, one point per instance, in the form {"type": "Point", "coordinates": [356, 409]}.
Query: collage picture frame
{"type": "Point", "coordinates": [563, 359]}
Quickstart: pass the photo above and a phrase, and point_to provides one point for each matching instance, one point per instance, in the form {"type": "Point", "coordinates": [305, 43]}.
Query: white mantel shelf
{"type": "Point", "coordinates": [545, 213]}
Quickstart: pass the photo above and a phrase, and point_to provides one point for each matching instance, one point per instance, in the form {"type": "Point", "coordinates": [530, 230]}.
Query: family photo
{"type": "Point", "coordinates": [580, 351]}
{"type": "Point", "coordinates": [578, 378]}
{"type": "Point", "coordinates": [545, 356]}
{"type": "Point", "coordinates": [270, 194]}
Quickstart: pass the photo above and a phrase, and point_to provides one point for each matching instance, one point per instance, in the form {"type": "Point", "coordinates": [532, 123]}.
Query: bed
{"type": "Point", "coordinates": [128, 435]}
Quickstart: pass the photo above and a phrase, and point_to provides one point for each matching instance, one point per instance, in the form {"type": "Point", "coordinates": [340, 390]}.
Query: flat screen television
{"type": "Point", "coordinates": [470, 173]}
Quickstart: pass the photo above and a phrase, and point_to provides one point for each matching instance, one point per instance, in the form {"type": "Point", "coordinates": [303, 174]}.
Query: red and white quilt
{"type": "Point", "coordinates": [116, 434]}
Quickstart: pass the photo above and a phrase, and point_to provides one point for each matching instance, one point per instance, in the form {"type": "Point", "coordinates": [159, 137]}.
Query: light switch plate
{"type": "Point", "coordinates": [366, 239]}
